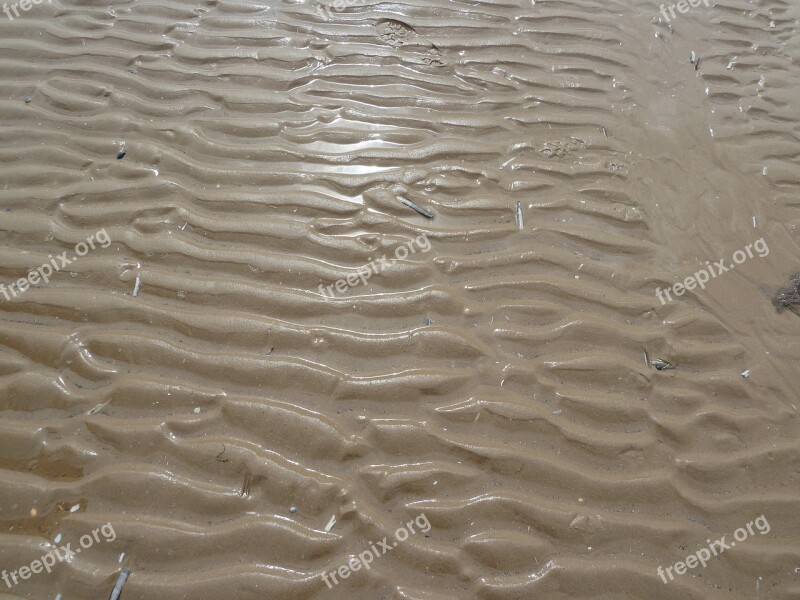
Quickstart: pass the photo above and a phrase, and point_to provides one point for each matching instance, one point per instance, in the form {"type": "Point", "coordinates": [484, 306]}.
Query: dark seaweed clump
{"type": "Point", "coordinates": [789, 297]}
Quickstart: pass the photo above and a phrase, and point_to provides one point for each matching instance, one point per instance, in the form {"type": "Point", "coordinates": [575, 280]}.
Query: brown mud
{"type": "Point", "coordinates": [242, 154]}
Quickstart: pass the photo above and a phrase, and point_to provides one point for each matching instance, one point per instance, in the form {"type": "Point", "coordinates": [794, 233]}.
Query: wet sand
{"type": "Point", "coordinates": [241, 155]}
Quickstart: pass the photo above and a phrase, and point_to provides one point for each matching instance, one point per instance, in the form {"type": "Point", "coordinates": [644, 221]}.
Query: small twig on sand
{"type": "Point", "coordinates": [519, 215]}
{"type": "Point", "coordinates": [248, 480]}
{"type": "Point", "coordinates": [123, 577]}
{"type": "Point", "coordinates": [423, 211]}
{"type": "Point", "coordinates": [98, 408]}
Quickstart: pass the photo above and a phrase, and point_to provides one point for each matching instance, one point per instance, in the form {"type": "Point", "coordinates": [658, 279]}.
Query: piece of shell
{"type": "Point", "coordinates": [331, 523]}
{"type": "Point", "coordinates": [663, 365]}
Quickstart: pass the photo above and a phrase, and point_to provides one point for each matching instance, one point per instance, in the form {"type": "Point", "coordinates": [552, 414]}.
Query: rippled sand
{"type": "Point", "coordinates": [243, 156]}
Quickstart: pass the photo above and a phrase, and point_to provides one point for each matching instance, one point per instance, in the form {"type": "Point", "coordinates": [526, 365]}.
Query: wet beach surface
{"type": "Point", "coordinates": [507, 185]}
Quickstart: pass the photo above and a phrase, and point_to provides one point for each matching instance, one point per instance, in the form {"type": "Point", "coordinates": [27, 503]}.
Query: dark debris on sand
{"type": "Point", "coordinates": [789, 297]}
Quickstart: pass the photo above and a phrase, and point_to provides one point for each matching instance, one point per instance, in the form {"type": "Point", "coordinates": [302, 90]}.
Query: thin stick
{"type": "Point", "coordinates": [423, 211]}
{"type": "Point", "coordinates": [123, 577]}
{"type": "Point", "coordinates": [99, 407]}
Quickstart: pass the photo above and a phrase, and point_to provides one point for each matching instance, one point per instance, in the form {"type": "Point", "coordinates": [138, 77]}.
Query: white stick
{"type": "Point", "coordinates": [123, 577]}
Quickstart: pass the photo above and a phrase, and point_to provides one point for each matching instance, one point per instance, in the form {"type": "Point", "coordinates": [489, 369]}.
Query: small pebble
{"type": "Point", "coordinates": [57, 539]}
{"type": "Point", "coordinates": [75, 508]}
{"type": "Point", "coordinates": [197, 410]}
{"type": "Point", "coordinates": [121, 155]}
{"type": "Point", "coordinates": [746, 373]}
{"type": "Point", "coordinates": [293, 510]}
{"type": "Point", "coordinates": [28, 99]}
{"type": "Point", "coordinates": [34, 512]}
